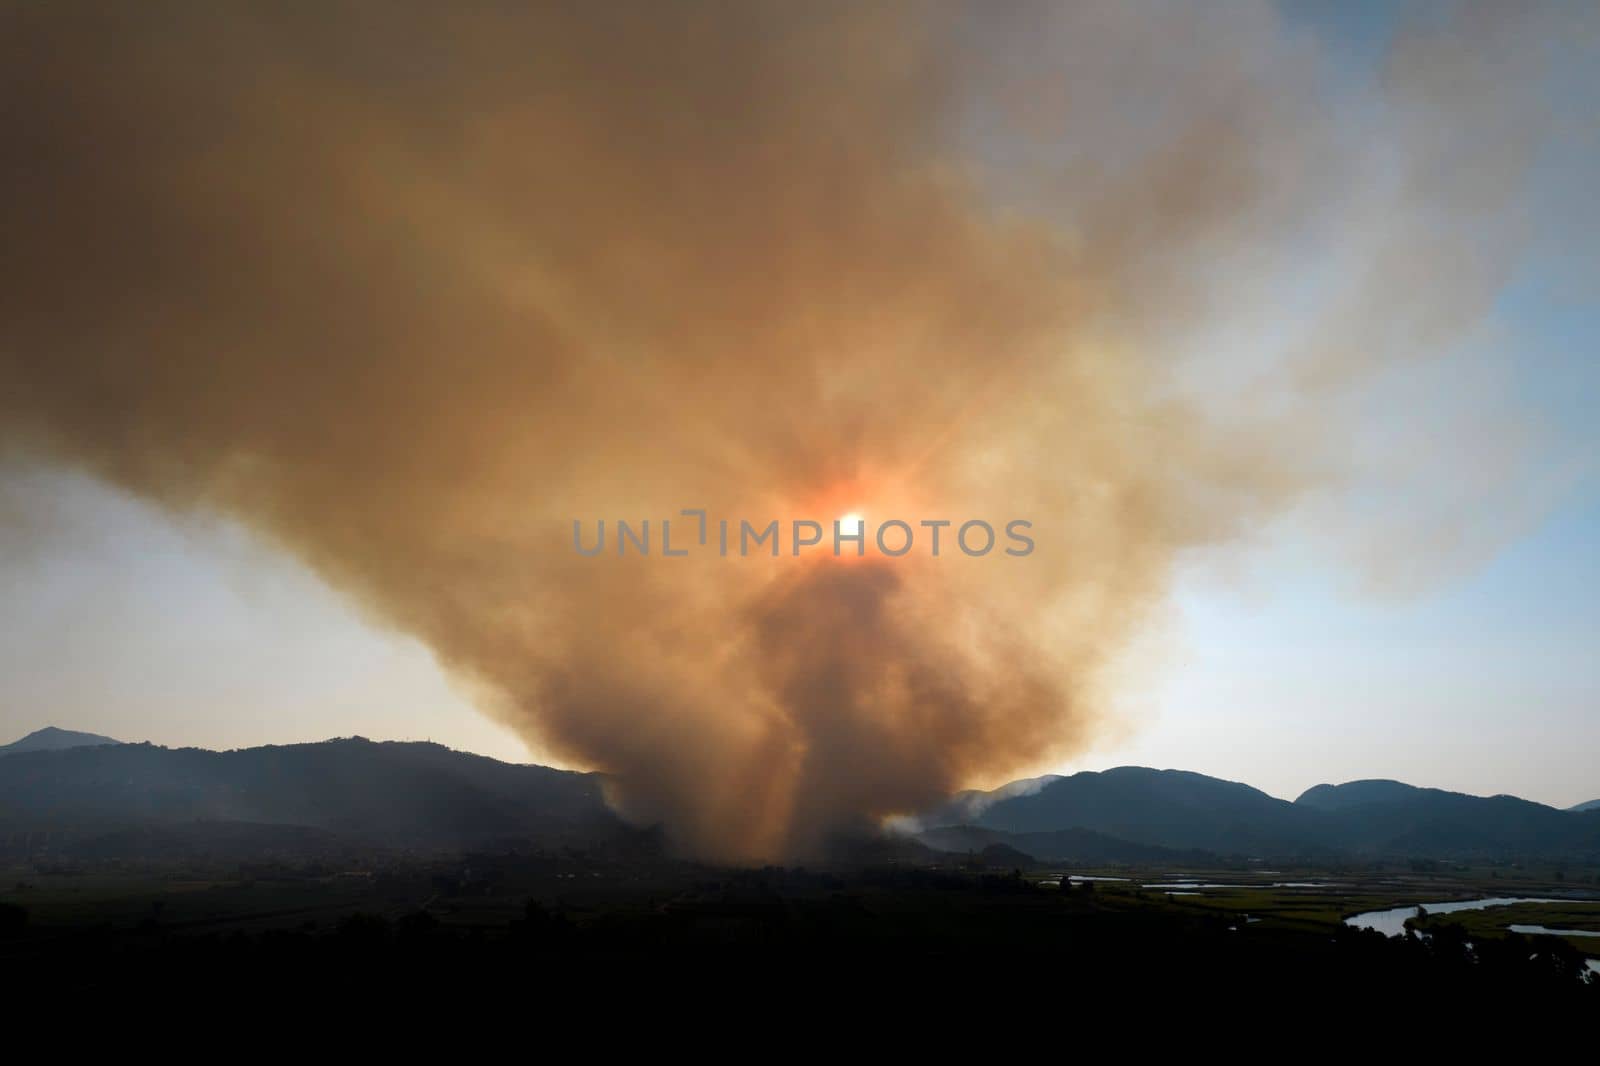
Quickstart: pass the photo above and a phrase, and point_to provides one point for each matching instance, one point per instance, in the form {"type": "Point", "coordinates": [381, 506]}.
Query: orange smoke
{"type": "Point", "coordinates": [409, 288]}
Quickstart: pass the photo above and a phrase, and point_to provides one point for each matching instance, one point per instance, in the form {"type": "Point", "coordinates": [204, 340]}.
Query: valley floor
{"type": "Point", "coordinates": [564, 922]}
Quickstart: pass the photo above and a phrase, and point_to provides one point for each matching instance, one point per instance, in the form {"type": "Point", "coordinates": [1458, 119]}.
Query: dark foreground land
{"type": "Point", "coordinates": [576, 927]}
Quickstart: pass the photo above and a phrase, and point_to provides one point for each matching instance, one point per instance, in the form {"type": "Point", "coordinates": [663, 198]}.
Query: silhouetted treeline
{"type": "Point", "coordinates": [886, 934]}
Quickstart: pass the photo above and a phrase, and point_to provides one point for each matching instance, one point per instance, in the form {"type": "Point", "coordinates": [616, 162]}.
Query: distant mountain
{"type": "Point", "coordinates": [1182, 811]}
{"type": "Point", "coordinates": [1395, 818]}
{"type": "Point", "coordinates": [1172, 809]}
{"type": "Point", "coordinates": [966, 806]}
{"type": "Point", "coordinates": [1592, 805]}
{"type": "Point", "coordinates": [76, 794]}
{"type": "Point", "coordinates": [52, 739]}
{"type": "Point", "coordinates": [354, 790]}
{"type": "Point", "coordinates": [1356, 794]}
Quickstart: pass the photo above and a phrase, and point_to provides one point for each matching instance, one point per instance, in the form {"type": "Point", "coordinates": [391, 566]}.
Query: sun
{"type": "Point", "coordinates": [850, 524]}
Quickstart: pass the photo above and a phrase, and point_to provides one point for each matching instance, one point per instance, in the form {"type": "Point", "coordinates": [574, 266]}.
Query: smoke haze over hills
{"type": "Point", "coordinates": [406, 289]}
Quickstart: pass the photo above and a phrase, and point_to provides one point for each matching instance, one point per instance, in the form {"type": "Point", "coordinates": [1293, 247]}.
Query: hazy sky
{"type": "Point", "coordinates": [1281, 662]}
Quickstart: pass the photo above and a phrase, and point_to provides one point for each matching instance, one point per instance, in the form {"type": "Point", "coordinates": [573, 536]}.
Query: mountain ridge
{"type": "Point", "coordinates": [52, 738]}
{"type": "Point", "coordinates": [392, 793]}
{"type": "Point", "coordinates": [420, 794]}
{"type": "Point", "coordinates": [1374, 818]}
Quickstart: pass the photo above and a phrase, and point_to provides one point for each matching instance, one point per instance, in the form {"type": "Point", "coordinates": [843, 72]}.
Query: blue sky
{"type": "Point", "coordinates": [1287, 672]}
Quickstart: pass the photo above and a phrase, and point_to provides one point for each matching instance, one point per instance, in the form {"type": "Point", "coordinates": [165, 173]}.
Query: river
{"type": "Point", "coordinates": [1392, 922]}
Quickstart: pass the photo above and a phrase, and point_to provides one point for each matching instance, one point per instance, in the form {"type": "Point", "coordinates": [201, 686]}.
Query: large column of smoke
{"type": "Point", "coordinates": [408, 288]}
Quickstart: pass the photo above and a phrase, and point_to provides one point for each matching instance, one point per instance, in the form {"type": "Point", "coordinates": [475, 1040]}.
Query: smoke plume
{"type": "Point", "coordinates": [408, 288]}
